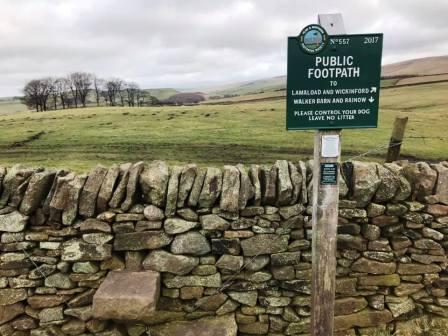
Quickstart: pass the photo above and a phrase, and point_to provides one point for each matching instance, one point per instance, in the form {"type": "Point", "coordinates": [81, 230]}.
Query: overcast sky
{"type": "Point", "coordinates": [189, 44]}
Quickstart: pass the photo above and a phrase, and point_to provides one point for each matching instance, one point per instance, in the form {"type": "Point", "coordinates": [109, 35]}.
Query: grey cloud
{"type": "Point", "coordinates": [175, 43]}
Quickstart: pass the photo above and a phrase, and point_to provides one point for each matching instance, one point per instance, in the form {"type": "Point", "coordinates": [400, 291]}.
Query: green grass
{"type": "Point", "coordinates": [211, 134]}
{"type": "Point", "coordinates": [10, 106]}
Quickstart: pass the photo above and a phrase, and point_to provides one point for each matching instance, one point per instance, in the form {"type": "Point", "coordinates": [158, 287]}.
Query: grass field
{"type": "Point", "coordinates": [211, 134]}
{"type": "Point", "coordinates": [10, 106]}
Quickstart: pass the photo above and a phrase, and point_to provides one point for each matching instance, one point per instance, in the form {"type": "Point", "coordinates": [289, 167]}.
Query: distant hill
{"type": "Point", "coordinates": [241, 88]}
{"type": "Point", "coordinates": [417, 67]}
{"type": "Point", "coordinates": [415, 71]}
{"type": "Point", "coordinates": [184, 98]}
{"type": "Point", "coordinates": [162, 93]}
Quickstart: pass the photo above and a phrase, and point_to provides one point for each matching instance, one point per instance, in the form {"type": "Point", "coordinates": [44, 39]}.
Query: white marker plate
{"type": "Point", "coordinates": [330, 146]}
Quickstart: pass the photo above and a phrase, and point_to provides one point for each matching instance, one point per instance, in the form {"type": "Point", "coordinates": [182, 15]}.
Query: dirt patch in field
{"type": "Point", "coordinates": [27, 140]}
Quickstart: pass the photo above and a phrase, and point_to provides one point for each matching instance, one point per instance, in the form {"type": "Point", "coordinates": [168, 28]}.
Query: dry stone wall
{"type": "Point", "coordinates": [231, 248]}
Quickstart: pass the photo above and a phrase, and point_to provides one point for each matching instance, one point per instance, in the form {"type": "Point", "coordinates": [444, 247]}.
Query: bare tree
{"type": "Point", "coordinates": [132, 89]}
{"type": "Point", "coordinates": [82, 82]}
{"type": "Point", "coordinates": [113, 87]}
{"type": "Point", "coordinates": [98, 85]}
{"type": "Point", "coordinates": [140, 97]}
{"type": "Point", "coordinates": [45, 90]}
{"type": "Point", "coordinates": [54, 93]}
{"type": "Point", "coordinates": [63, 86]}
{"type": "Point", "coordinates": [105, 95]}
{"type": "Point", "coordinates": [37, 92]}
{"type": "Point", "coordinates": [73, 89]}
{"type": "Point", "coordinates": [121, 93]}
{"type": "Point", "coordinates": [31, 94]}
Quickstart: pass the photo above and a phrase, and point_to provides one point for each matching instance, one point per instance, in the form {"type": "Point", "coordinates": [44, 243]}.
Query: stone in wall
{"type": "Point", "coordinates": [284, 186]}
{"type": "Point", "coordinates": [77, 250]}
{"type": "Point", "coordinates": [120, 190]}
{"type": "Point", "coordinates": [193, 199]}
{"type": "Point", "coordinates": [230, 196]}
{"type": "Point", "coordinates": [422, 178]}
{"type": "Point", "coordinates": [388, 186]}
{"type": "Point", "coordinates": [38, 188]}
{"type": "Point", "coordinates": [172, 191]}
{"type": "Point", "coordinates": [186, 183]}
{"type": "Point", "coordinates": [202, 327]}
{"type": "Point", "coordinates": [264, 244]}
{"type": "Point", "coordinates": [303, 195]}
{"type": "Point", "coordinates": [268, 182]}
{"type": "Point", "coordinates": [190, 243]}
{"type": "Point", "coordinates": [60, 198]}
{"type": "Point", "coordinates": [87, 202]}
{"type": "Point", "coordinates": [365, 318]}
{"type": "Point", "coordinates": [127, 296]}
{"type": "Point", "coordinates": [247, 189]}
{"type": "Point", "coordinates": [9, 312]}
{"type": "Point", "coordinates": [135, 241]}
{"type": "Point", "coordinates": [296, 181]}
{"type": "Point", "coordinates": [211, 188]}
{"type": "Point", "coordinates": [441, 187]}
{"type": "Point", "coordinates": [154, 182]}
{"type": "Point", "coordinates": [254, 175]}
{"type": "Point", "coordinates": [107, 188]}
{"type": "Point", "coordinates": [365, 182]}
{"type": "Point", "coordinates": [13, 222]}
{"type": "Point", "coordinates": [343, 187]}
{"type": "Point", "coordinates": [162, 261]}
{"type": "Point", "coordinates": [14, 184]}
{"type": "Point", "coordinates": [404, 186]}
{"type": "Point", "coordinates": [132, 186]}
{"type": "Point", "coordinates": [74, 188]}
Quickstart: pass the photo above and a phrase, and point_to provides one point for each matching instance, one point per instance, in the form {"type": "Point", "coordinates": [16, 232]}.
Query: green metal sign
{"type": "Point", "coordinates": [333, 81]}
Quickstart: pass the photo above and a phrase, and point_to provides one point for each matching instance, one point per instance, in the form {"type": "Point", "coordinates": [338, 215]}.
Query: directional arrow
{"type": "Point", "coordinates": [371, 99]}
{"type": "Point", "coordinates": [373, 89]}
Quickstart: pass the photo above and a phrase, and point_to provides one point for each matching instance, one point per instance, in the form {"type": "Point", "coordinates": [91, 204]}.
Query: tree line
{"type": "Point", "coordinates": [81, 88]}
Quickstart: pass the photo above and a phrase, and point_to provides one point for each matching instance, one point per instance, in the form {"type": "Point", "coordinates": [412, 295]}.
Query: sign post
{"type": "Point", "coordinates": [333, 83]}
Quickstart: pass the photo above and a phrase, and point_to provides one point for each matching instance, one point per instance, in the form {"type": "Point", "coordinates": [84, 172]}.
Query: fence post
{"type": "Point", "coordinates": [396, 139]}
{"type": "Point", "coordinates": [325, 216]}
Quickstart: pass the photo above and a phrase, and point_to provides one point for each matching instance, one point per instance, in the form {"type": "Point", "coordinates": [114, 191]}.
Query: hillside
{"type": "Point", "coordinates": [162, 93]}
{"type": "Point", "coordinates": [241, 88]}
{"type": "Point", "coordinates": [429, 69]}
{"type": "Point", "coordinates": [417, 67]}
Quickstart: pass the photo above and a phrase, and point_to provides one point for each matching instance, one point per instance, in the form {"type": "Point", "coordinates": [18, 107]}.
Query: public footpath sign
{"type": "Point", "coordinates": [333, 81]}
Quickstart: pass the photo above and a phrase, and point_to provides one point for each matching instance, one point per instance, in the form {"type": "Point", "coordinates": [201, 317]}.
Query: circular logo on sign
{"type": "Point", "coordinates": [313, 39]}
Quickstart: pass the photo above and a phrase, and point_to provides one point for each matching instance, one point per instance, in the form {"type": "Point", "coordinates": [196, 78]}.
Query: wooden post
{"type": "Point", "coordinates": [396, 139]}
{"type": "Point", "coordinates": [325, 218]}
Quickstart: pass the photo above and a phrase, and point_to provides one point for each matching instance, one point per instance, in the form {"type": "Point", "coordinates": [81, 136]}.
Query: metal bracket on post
{"type": "Point", "coordinates": [325, 214]}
